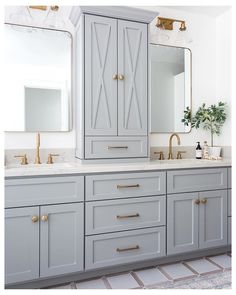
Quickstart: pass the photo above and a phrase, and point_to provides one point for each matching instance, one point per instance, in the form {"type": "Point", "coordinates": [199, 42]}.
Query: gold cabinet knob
{"type": "Point", "coordinates": [35, 218]}
{"type": "Point", "coordinates": [44, 218]}
{"type": "Point", "coordinates": [121, 77]}
{"type": "Point", "coordinates": [197, 202]}
{"type": "Point", "coordinates": [203, 201]}
{"type": "Point", "coordinates": [115, 77]}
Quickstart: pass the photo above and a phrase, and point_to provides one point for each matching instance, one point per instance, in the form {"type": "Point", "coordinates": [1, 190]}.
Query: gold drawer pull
{"type": "Point", "coordinates": [128, 249]}
{"type": "Point", "coordinates": [127, 186]}
{"type": "Point", "coordinates": [121, 77]}
{"type": "Point", "coordinates": [197, 202]}
{"type": "Point", "coordinates": [34, 218]}
{"type": "Point", "coordinates": [203, 201]}
{"type": "Point", "coordinates": [127, 216]}
{"type": "Point", "coordinates": [44, 218]}
{"type": "Point", "coordinates": [115, 77]}
{"type": "Point", "coordinates": [117, 147]}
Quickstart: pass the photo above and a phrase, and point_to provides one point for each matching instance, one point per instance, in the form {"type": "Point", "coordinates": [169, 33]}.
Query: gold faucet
{"type": "Point", "coordinates": [37, 158]}
{"type": "Point", "coordinates": [170, 157]}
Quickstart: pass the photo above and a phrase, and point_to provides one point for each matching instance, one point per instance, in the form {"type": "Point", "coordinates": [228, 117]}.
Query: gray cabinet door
{"type": "Point", "coordinates": [21, 245]}
{"type": "Point", "coordinates": [100, 67]}
{"type": "Point", "coordinates": [182, 223]}
{"type": "Point", "coordinates": [213, 219]}
{"type": "Point", "coordinates": [61, 239]}
{"type": "Point", "coordinates": [132, 89]}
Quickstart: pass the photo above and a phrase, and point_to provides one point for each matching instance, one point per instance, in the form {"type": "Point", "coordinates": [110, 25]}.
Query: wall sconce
{"type": "Point", "coordinates": [167, 23]}
{"type": "Point", "coordinates": [44, 8]}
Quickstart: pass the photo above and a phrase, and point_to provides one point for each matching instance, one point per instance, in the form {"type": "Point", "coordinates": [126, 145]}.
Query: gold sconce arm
{"type": "Point", "coordinates": [167, 23]}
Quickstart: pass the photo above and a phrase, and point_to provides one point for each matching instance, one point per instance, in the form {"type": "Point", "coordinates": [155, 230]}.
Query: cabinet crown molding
{"type": "Point", "coordinates": [121, 12]}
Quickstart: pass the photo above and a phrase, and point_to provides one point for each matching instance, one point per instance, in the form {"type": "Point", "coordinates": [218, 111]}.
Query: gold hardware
{"type": "Point", "coordinates": [121, 77]}
{"type": "Point", "coordinates": [24, 160]}
{"type": "Point", "coordinates": [167, 23]}
{"type": "Point", "coordinates": [128, 249]}
{"type": "Point", "coordinates": [115, 77]}
{"type": "Point", "coordinates": [170, 156]}
{"type": "Point", "coordinates": [179, 154]}
{"type": "Point", "coordinates": [127, 216]}
{"type": "Point", "coordinates": [117, 147]}
{"type": "Point", "coordinates": [161, 157]}
{"type": "Point", "coordinates": [39, 7]}
{"type": "Point", "coordinates": [127, 186]}
{"type": "Point", "coordinates": [34, 218]}
{"type": "Point", "coordinates": [203, 201]}
{"type": "Point", "coordinates": [44, 8]}
{"type": "Point", "coordinates": [50, 159]}
{"type": "Point", "coordinates": [37, 158]}
{"type": "Point", "coordinates": [44, 218]}
{"type": "Point", "coordinates": [197, 202]}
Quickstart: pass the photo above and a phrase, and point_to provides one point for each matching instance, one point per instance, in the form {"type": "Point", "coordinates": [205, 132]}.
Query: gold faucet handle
{"type": "Point", "coordinates": [161, 157]}
{"type": "Point", "coordinates": [50, 158]}
{"type": "Point", "coordinates": [24, 160]}
{"type": "Point", "coordinates": [179, 154]}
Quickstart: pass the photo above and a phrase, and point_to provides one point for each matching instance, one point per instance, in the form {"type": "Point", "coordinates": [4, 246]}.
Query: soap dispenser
{"type": "Point", "coordinates": [198, 151]}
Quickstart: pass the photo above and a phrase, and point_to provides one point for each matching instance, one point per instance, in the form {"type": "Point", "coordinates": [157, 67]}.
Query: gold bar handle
{"type": "Point", "coordinates": [127, 216]}
{"type": "Point", "coordinates": [117, 147]}
{"type": "Point", "coordinates": [127, 186]}
{"type": "Point", "coordinates": [128, 249]}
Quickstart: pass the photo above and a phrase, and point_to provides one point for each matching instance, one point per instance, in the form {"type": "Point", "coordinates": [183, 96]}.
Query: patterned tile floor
{"type": "Point", "coordinates": [213, 272]}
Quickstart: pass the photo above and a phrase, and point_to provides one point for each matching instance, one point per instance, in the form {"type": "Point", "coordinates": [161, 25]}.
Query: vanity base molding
{"type": "Point", "coordinates": [52, 281]}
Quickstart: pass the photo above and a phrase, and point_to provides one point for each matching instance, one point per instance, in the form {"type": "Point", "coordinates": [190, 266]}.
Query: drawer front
{"type": "Point", "coordinates": [229, 202]}
{"type": "Point", "coordinates": [196, 180]}
{"type": "Point", "coordinates": [46, 190]}
{"type": "Point", "coordinates": [118, 215]}
{"type": "Point", "coordinates": [115, 147]}
{"type": "Point", "coordinates": [114, 186]}
{"type": "Point", "coordinates": [124, 247]}
{"type": "Point", "coordinates": [229, 231]}
{"type": "Point", "coordinates": [229, 177]}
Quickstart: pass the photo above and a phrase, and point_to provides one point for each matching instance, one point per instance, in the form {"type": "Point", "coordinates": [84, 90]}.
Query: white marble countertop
{"type": "Point", "coordinates": [80, 168]}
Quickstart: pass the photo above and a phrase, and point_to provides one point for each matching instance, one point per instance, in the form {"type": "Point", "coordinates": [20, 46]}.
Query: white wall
{"type": "Point", "coordinates": [211, 80]}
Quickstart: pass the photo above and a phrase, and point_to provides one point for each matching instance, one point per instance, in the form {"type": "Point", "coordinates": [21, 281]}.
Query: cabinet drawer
{"type": "Point", "coordinates": [115, 186]}
{"type": "Point", "coordinates": [118, 215]}
{"type": "Point", "coordinates": [45, 190]}
{"type": "Point", "coordinates": [229, 231]}
{"type": "Point", "coordinates": [229, 202]}
{"type": "Point", "coordinates": [196, 180]}
{"type": "Point", "coordinates": [229, 177]}
{"type": "Point", "coordinates": [115, 147]}
{"type": "Point", "coordinates": [124, 247]}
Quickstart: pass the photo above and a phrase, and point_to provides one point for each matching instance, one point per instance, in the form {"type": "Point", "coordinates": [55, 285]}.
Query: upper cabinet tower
{"type": "Point", "coordinates": [110, 70]}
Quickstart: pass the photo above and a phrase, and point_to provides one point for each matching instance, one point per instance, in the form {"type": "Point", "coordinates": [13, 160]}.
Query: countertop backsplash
{"type": "Point", "coordinates": [68, 155]}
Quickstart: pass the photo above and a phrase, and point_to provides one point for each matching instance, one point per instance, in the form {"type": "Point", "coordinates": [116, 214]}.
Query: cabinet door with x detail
{"type": "Point", "coordinates": [132, 78]}
{"type": "Point", "coordinates": [100, 76]}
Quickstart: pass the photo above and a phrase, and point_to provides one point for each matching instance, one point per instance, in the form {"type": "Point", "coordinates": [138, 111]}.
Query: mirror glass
{"type": "Point", "coordinates": [37, 79]}
{"type": "Point", "coordinates": [169, 88]}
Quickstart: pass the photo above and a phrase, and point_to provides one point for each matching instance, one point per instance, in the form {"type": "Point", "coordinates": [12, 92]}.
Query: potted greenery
{"type": "Point", "coordinates": [211, 118]}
